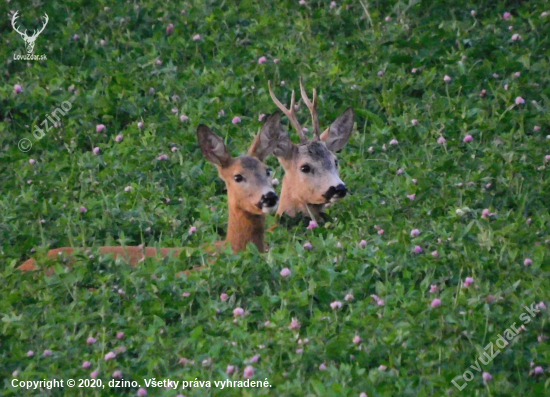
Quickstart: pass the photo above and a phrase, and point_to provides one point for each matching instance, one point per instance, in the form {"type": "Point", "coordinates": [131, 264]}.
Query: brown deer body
{"type": "Point", "coordinates": [250, 196]}
{"type": "Point", "coordinates": [132, 254]}
{"type": "Point", "coordinates": [311, 169]}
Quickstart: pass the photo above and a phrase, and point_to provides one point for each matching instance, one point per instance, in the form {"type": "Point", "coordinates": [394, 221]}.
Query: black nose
{"type": "Point", "coordinates": [341, 191]}
{"type": "Point", "coordinates": [338, 191]}
{"type": "Point", "coordinates": [269, 199]}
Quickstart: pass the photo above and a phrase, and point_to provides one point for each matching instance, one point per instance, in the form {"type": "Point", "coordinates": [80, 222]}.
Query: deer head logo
{"type": "Point", "coordinates": [29, 40]}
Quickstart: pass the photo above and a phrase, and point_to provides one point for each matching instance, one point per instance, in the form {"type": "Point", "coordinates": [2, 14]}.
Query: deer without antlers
{"type": "Point", "coordinates": [250, 195]}
{"type": "Point", "coordinates": [29, 40]}
{"type": "Point", "coordinates": [311, 169]}
{"type": "Point", "coordinates": [248, 180]}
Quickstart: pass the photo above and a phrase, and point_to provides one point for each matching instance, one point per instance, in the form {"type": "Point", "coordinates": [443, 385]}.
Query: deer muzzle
{"type": "Point", "coordinates": [335, 193]}
{"type": "Point", "coordinates": [269, 202]}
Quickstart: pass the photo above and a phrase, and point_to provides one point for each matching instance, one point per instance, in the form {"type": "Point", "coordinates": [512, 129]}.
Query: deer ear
{"type": "Point", "coordinates": [285, 148]}
{"type": "Point", "coordinates": [212, 147]}
{"type": "Point", "coordinates": [339, 132]}
{"type": "Point", "coordinates": [267, 140]}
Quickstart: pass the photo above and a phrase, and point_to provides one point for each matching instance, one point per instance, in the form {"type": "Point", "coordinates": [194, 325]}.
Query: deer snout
{"type": "Point", "coordinates": [336, 192]}
{"type": "Point", "coordinates": [341, 191]}
{"type": "Point", "coordinates": [269, 199]}
{"type": "Point", "coordinates": [269, 202]}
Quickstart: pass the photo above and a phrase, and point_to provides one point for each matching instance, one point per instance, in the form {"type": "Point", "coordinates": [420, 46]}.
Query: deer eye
{"type": "Point", "coordinates": [305, 169]}
{"type": "Point", "coordinates": [238, 178]}
{"type": "Point", "coordinates": [336, 163]}
{"type": "Point", "coordinates": [268, 171]}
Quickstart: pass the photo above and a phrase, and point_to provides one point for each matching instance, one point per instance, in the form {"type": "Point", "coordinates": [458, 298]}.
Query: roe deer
{"type": "Point", "coordinates": [311, 169]}
{"type": "Point", "coordinates": [250, 195]}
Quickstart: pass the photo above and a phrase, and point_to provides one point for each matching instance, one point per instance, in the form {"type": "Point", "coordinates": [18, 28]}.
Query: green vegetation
{"type": "Point", "coordinates": [355, 56]}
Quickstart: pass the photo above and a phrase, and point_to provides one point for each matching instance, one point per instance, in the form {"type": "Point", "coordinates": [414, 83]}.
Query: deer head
{"type": "Point", "coordinates": [311, 169]}
{"type": "Point", "coordinates": [247, 178]}
{"type": "Point", "coordinates": [29, 40]}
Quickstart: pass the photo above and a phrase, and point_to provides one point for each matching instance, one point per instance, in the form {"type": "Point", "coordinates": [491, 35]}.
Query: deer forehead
{"type": "Point", "coordinates": [248, 165]}
{"type": "Point", "coordinates": [315, 152]}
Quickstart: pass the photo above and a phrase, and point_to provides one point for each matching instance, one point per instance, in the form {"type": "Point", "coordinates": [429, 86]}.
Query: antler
{"type": "Point", "coordinates": [46, 18]}
{"type": "Point", "coordinates": [15, 27]}
{"type": "Point", "coordinates": [312, 108]}
{"type": "Point", "coordinates": [289, 113]}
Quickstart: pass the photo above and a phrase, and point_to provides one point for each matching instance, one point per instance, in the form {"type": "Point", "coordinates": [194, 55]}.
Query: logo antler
{"type": "Point", "coordinates": [15, 16]}
{"type": "Point", "coordinates": [46, 19]}
{"type": "Point", "coordinates": [29, 40]}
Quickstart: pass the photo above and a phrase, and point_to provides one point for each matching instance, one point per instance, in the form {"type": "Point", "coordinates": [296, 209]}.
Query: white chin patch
{"type": "Point", "coordinates": [270, 210]}
{"type": "Point", "coordinates": [335, 199]}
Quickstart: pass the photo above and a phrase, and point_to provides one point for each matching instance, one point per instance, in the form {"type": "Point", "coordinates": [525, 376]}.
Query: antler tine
{"type": "Point", "coordinates": [289, 113]}
{"type": "Point", "coordinates": [312, 108]}
{"type": "Point", "coordinates": [15, 16]}
{"type": "Point", "coordinates": [46, 18]}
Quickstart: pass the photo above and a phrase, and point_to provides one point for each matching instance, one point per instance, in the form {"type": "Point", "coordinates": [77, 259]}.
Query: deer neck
{"type": "Point", "coordinates": [244, 227]}
{"type": "Point", "coordinates": [291, 205]}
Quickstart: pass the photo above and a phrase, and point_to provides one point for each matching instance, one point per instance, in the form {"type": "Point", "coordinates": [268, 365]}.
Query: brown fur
{"type": "Point", "coordinates": [246, 217]}
{"type": "Point", "coordinates": [133, 255]}
{"type": "Point", "coordinates": [246, 221]}
{"type": "Point", "coordinates": [303, 193]}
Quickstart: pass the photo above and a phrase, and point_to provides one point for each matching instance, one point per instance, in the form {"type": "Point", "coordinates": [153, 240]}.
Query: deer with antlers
{"type": "Point", "coordinates": [249, 189]}
{"type": "Point", "coordinates": [29, 40]}
{"type": "Point", "coordinates": [311, 169]}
